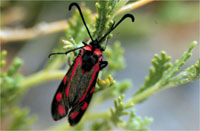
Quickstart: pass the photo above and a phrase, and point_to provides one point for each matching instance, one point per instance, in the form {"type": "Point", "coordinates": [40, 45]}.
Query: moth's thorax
{"type": "Point", "coordinates": [90, 56]}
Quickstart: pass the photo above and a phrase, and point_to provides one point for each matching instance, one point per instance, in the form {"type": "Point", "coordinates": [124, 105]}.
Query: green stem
{"type": "Point", "coordinates": [94, 116]}
{"type": "Point", "coordinates": [145, 94]}
{"type": "Point", "coordinates": [40, 77]}
{"type": "Point", "coordinates": [149, 92]}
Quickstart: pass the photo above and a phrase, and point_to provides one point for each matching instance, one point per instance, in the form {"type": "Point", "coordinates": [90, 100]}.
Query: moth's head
{"type": "Point", "coordinates": [96, 45]}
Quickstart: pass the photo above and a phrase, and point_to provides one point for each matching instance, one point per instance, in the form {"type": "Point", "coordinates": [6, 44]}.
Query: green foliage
{"type": "Point", "coordinates": [77, 31]}
{"type": "Point", "coordinates": [10, 90]}
{"type": "Point", "coordinates": [106, 10]}
{"type": "Point", "coordinates": [101, 125]}
{"type": "Point", "coordinates": [160, 65]}
{"type": "Point", "coordinates": [189, 74]}
{"type": "Point", "coordinates": [116, 89]}
{"type": "Point", "coordinates": [11, 93]}
{"type": "Point", "coordinates": [136, 123]}
{"type": "Point", "coordinates": [20, 120]}
{"type": "Point", "coordinates": [115, 57]}
{"type": "Point", "coordinates": [162, 75]}
{"type": "Point", "coordinates": [102, 20]}
{"type": "Point", "coordinates": [120, 109]}
{"type": "Point", "coordinates": [177, 65]}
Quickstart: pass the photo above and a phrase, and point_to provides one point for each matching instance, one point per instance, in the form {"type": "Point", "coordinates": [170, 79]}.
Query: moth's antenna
{"type": "Point", "coordinates": [79, 9]}
{"type": "Point", "coordinates": [123, 18]}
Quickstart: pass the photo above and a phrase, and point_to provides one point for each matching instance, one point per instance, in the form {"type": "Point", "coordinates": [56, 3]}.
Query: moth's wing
{"type": "Point", "coordinates": [60, 104]}
{"type": "Point", "coordinates": [59, 107]}
{"type": "Point", "coordinates": [83, 95]}
{"type": "Point", "coordinates": [78, 110]}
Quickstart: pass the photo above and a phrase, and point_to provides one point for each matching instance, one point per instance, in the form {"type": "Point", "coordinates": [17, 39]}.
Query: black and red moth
{"type": "Point", "coordinates": [75, 90]}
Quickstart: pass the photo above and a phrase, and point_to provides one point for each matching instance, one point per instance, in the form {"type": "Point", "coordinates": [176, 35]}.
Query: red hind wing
{"type": "Point", "coordinates": [83, 97]}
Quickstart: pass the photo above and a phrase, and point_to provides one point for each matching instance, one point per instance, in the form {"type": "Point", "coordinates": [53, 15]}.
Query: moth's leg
{"type": "Point", "coordinates": [103, 64]}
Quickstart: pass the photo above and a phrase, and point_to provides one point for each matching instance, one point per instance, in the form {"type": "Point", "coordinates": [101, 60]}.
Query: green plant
{"type": "Point", "coordinates": [11, 92]}
{"type": "Point", "coordinates": [162, 75]}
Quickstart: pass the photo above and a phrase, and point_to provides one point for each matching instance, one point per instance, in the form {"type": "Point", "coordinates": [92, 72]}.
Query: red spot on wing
{"type": "Point", "coordinates": [61, 110]}
{"type": "Point", "coordinates": [92, 90]}
{"type": "Point", "coordinates": [97, 52]}
{"type": "Point", "coordinates": [59, 97]}
{"type": "Point", "coordinates": [65, 79]}
{"type": "Point", "coordinates": [88, 48]}
{"type": "Point", "coordinates": [74, 114]}
{"type": "Point", "coordinates": [73, 71]}
{"type": "Point", "coordinates": [84, 106]}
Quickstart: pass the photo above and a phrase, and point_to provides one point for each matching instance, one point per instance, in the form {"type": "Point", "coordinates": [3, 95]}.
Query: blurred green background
{"type": "Point", "coordinates": [161, 25]}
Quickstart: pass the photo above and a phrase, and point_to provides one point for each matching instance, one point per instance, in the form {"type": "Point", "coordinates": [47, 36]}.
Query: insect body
{"type": "Point", "coordinates": [75, 91]}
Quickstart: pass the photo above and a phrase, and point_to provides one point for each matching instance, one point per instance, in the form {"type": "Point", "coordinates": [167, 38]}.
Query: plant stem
{"type": "Point", "coordinates": [133, 5]}
{"type": "Point", "coordinates": [12, 35]}
{"type": "Point", "coordinates": [138, 98]}
{"type": "Point", "coordinates": [145, 94]}
{"type": "Point", "coordinates": [93, 116]}
{"type": "Point", "coordinates": [40, 77]}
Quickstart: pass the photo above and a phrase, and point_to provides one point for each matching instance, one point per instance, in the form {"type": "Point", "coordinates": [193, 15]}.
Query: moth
{"type": "Point", "coordinates": [76, 89]}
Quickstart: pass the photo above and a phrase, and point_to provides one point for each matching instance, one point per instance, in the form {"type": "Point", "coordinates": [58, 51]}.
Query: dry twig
{"type": "Point", "coordinates": [12, 35]}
